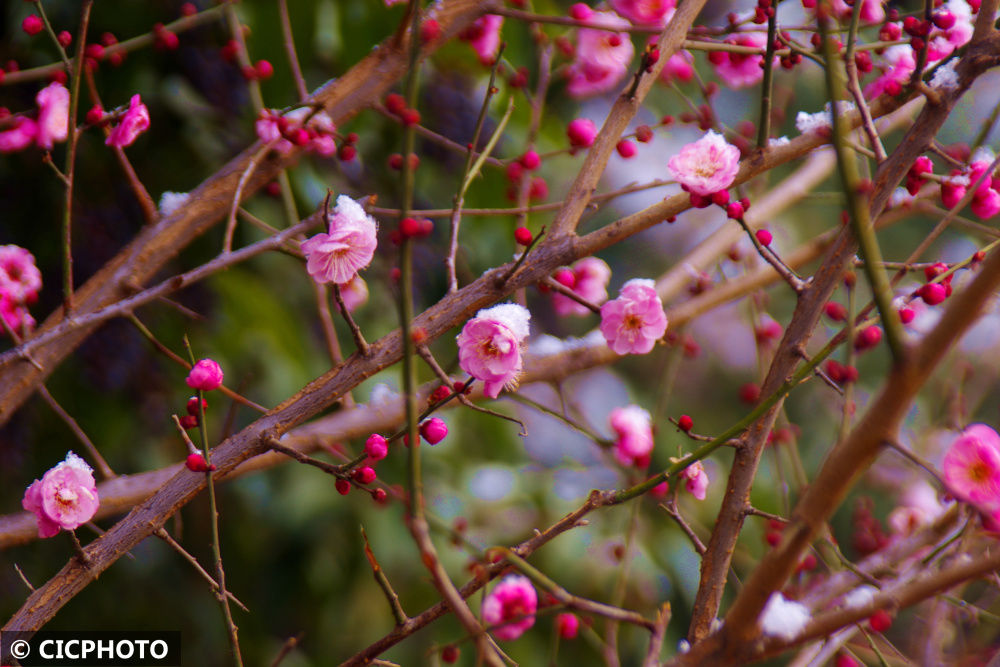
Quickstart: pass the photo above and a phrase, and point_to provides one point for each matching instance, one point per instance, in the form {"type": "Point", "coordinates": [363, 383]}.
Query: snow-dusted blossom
{"type": "Point", "coordinates": [171, 201]}
{"type": "Point", "coordinates": [64, 498]}
{"type": "Point", "coordinates": [898, 64]}
{"type": "Point", "coordinates": [632, 323]}
{"type": "Point", "coordinates": [971, 467]}
{"type": "Point", "coordinates": [53, 115]}
{"type": "Point", "coordinates": [706, 166]}
{"type": "Point", "coordinates": [346, 248]}
{"type": "Point", "coordinates": [484, 37]}
{"type": "Point", "coordinates": [601, 58]}
{"type": "Point", "coordinates": [205, 375]}
{"type": "Point", "coordinates": [635, 435]}
{"type": "Point", "coordinates": [696, 480]}
{"type": "Point", "coordinates": [591, 276]}
{"type": "Point", "coordinates": [783, 618]}
{"type": "Point", "coordinates": [20, 279]}
{"type": "Point", "coordinates": [821, 120]}
{"type": "Point", "coordinates": [655, 13]}
{"type": "Point", "coordinates": [489, 346]}
{"type": "Point", "coordinates": [510, 607]}
{"type": "Point", "coordinates": [740, 70]}
{"type": "Point", "coordinates": [945, 77]}
{"type": "Point", "coordinates": [942, 41]}
{"type": "Point", "coordinates": [133, 123]}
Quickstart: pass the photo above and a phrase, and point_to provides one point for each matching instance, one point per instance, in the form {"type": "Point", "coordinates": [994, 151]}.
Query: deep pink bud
{"type": "Point", "coordinates": [192, 405]}
{"type": "Point", "coordinates": [734, 210]}
{"type": "Point", "coordinates": [523, 236]}
{"type": "Point", "coordinates": [364, 475]}
{"type": "Point", "coordinates": [685, 423]}
{"type": "Point", "coordinates": [568, 625]}
{"type": "Point", "coordinates": [835, 311]}
{"type": "Point", "coordinates": [32, 25]}
{"type": "Point", "coordinates": [626, 148]}
{"type": "Point", "coordinates": [206, 375]}
{"type": "Point", "coordinates": [195, 462]}
{"type": "Point", "coordinates": [933, 293]}
{"type": "Point", "coordinates": [868, 337]}
{"type": "Point", "coordinates": [906, 315]}
{"type": "Point", "coordinates": [580, 11]}
{"type": "Point", "coordinates": [764, 237]}
{"type": "Point", "coordinates": [376, 447]}
{"type": "Point", "coordinates": [581, 132]}
{"type": "Point", "coordinates": [343, 486]}
{"type": "Point", "coordinates": [530, 160]}
{"type": "Point", "coordinates": [434, 430]}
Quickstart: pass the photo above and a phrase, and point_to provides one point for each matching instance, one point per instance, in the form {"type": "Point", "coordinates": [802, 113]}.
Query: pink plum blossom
{"type": "Point", "coordinates": [601, 58]}
{"type": "Point", "coordinates": [354, 293]}
{"type": "Point", "coordinates": [679, 66]}
{"type": "Point", "coordinates": [133, 123]}
{"type": "Point", "coordinates": [65, 497]}
{"type": "Point", "coordinates": [510, 607]}
{"type": "Point", "coordinates": [20, 136]}
{"type": "Point", "coordinates": [942, 41]}
{"type": "Point", "coordinates": [706, 166]}
{"type": "Point", "coordinates": [635, 435]}
{"type": "Point", "coordinates": [872, 11]}
{"type": "Point", "coordinates": [53, 115]}
{"type": "Point", "coordinates": [489, 346]}
{"type": "Point", "coordinates": [305, 126]}
{"type": "Point", "coordinates": [633, 322]}
{"type": "Point", "coordinates": [15, 315]}
{"type": "Point", "coordinates": [898, 64]}
{"type": "Point", "coordinates": [655, 13]}
{"type": "Point", "coordinates": [971, 466]}
{"type": "Point", "coordinates": [484, 37]}
{"type": "Point", "coordinates": [206, 375]}
{"type": "Point", "coordinates": [986, 200]}
{"type": "Point", "coordinates": [740, 70]}
{"type": "Point", "coordinates": [20, 279]}
{"type": "Point", "coordinates": [591, 283]}
{"type": "Point", "coordinates": [348, 247]}
{"type": "Point", "coordinates": [696, 480]}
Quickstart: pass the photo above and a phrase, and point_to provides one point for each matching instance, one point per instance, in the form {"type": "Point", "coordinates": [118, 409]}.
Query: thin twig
{"type": "Point", "coordinates": [359, 339]}
{"type": "Point", "coordinates": [102, 465]}
{"type": "Point", "coordinates": [383, 582]}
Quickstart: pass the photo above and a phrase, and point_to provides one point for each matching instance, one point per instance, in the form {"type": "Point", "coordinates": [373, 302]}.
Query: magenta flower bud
{"type": "Point", "coordinates": [568, 625]}
{"type": "Point", "coordinates": [206, 375]}
{"type": "Point", "coordinates": [434, 430]}
{"type": "Point", "coordinates": [364, 475]}
{"type": "Point", "coordinates": [376, 447]}
{"type": "Point", "coordinates": [581, 132]}
{"type": "Point", "coordinates": [133, 123]}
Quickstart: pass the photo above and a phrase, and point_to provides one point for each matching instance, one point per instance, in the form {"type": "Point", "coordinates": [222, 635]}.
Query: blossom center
{"type": "Point", "coordinates": [632, 321]}
{"type": "Point", "coordinates": [66, 496]}
{"type": "Point", "coordinates": [979, 472]}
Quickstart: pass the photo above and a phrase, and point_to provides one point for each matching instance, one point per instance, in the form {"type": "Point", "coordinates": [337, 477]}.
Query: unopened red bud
{"type": "Point", "coordinates": [644, 134]}
{"type": "Point", "coordinates": [189, 422]}
{"type": "Point", "coordinates": [395, 103]}
{"type": "Point", "coordinates": [379, 495]}
{"type": "Point", "coordinates": [880, 621]}
{"type": "Point", "coordinates": [430, 30]}
{"type": "Point", "coordinates": [530, 160]}
{"type": "Point", "coordinates": [343, 486]}
{"type": "Point", "coordinates": [626, 148]}
{"type": "Point", "coordinates": [764, 237]}
{"type": "Point", "coordinates": [32, 25]}
{"type": "Point", "coordinates": [364, 475]}
{"type": "Point", "coordinates": [734, 211]}
{"type": "Point", "coordinates": [522, 235]}
{"type": "Point", "coordinates": [720, 198]}
{"type": "Point", "coordinates": [95, 115]}
{"type": "Point", "coordinates": [64, 38]}
{"type": "Point", "coordinates": [835, 311]}
{"type": "Point", "coordinates": [264, 69]}
{"type": "Point", "coordinates": [195, 462]}
{"type": "Point", "coordinates": [410, 117]}
{"type": "Point", "coordinates": [685, 423]}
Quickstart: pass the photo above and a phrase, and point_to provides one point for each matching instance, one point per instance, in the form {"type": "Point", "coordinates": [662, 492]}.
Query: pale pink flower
{"type": "Point", "coordinates": [986, 200]}
{"type": "Point", "coordinates": [971, 467]}
{"type": "Point", "coordinates": [53, 115]}
{"type": "Point", "coordinates": [591, 283]}
{"type": "Point", "coordinates": [696, 480]}
{"type": "Point", "coordinates": [354, 293]}
{"type": "Point", "coordinates": [655, 13]}
{"type": "Point", "coordinates": [65, 497]}
{"type": "Point", "coordinates": [918, 507]}
{"type": "Point", "coordinates": [20, 279]}
{"type": "Point", "coordinates": [510, 607]}
{"type": "Point", "coordinates": [635, 435]}
{"type": "Point", "coordinates": [601, 58]}
{"type": "Point", "coordinates": [489, 346]}
{"type": "Point", "coordinates": [740, 70]}
{"type": "Point", "coordinates": [706, 166]}
{"type": "Point", "coordinates": [633, 322]}
{"type": "Point", "coordinates": [133, 123]}
{"type": "Point", "coordinates": [268, 127]}
{"type": "Point", "coordinates": [484, 37]}
{"type": "Point", "coordinates": [205, 375]}
{"type": "Point", "coordinates": [897, 65]}
{"type": "Point", "coordinates": [349, 246]}
{"type": "Point", "coordinates": [20, 136]}
{"type": "Point", "coordinates": [679, 66]}
{"type": "Point", "coordinates": [783, 618]}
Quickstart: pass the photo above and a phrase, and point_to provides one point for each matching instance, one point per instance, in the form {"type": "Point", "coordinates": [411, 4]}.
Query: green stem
{"type": "Point", "coordinates": [764, 127]}
{"type": "Point", "coordinates": [860, 219]}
